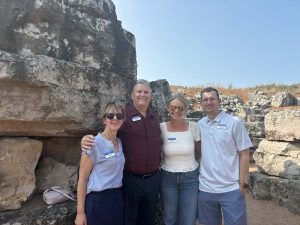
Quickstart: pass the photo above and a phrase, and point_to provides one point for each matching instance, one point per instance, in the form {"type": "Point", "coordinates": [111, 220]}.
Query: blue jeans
{"type": "Point", "coordinates": [179, 192]}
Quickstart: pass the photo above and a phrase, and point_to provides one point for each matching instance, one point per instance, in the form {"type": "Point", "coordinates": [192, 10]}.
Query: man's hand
{"type": "Point", "coordinates": [87, 142]}
{"type": "Point", "coordinates": [243, 190]}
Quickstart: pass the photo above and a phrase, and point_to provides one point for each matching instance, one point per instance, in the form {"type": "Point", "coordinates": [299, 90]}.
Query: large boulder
{"type": "Point", "coordinates": [282, 191]}
{"type": "Point", "coordinates": [161, 94]}
{"type": "Point", "coordinates": [42, 96]}
{"type": "Point", "coordinates": [60, 61]}
{"type": "Point", "coordinates": [278, 159]}
{"type": "Point", "coordinates": [283, 99]}
{"type": "Point", "coordinates": [18, 159]}
{"type": "Point", "coordinates": [283, 124]}
{"type": "Point", "coordinates": [82, 31]}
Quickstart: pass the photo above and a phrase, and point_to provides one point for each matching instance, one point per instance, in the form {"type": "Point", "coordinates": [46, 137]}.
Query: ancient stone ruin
{"type": "Point", "coordinates": [278, 160]}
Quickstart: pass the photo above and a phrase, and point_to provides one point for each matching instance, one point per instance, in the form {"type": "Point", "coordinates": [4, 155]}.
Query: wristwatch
{"type": "Point", "coordinates": [244, 185]}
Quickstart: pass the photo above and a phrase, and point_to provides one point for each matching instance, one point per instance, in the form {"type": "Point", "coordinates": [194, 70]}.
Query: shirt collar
{"type": "Point", "coordinates": [132, 111]}
{"type": "Point", "coordinates": [218, 118]}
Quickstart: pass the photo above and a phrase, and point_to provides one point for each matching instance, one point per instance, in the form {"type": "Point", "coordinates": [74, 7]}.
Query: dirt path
{"type": "Point", "coordinates": [261, 212]}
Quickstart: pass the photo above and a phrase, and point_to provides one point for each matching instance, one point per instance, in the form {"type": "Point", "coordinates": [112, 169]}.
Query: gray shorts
{"type": "Point", "coordinates": [232, 205]}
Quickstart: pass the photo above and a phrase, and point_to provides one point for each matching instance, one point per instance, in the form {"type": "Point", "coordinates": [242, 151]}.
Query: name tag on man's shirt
{"type": "Point", "coordinates": [171, 140]}
{"type": "Point", "coordinates": [136, 118]}
{"type": "Point", "coordinates": [221, 126]}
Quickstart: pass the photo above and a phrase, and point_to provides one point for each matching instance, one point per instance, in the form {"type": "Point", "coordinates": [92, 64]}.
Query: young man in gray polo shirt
{"type": "Point", "coordinates": [224, 165]}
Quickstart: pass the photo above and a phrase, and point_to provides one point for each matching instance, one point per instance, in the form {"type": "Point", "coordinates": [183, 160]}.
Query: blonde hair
{"type": "Point", "coordinates": [179, 97]}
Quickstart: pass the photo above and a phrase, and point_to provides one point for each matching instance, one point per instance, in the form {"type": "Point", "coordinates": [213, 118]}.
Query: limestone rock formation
{"type": "Point", "coordinates": [18, 159]}
{"type": "Point", "coordinates": [52, 173]}
{"type": "Point", "coordinates": [283, 191]}
{"type": "Point", "coordinates": [283, 125]}
{"type": "Point", "coordinates": [278, 159]}
{"type": "Point", "coordinates": [260, 99]}
{"type": "Point", "coordinates": [283, 99]}
{"type": "Point", "coordinates": [41, 96]}
{"type": "Point", "coordinates": [161, 94]}
{"type": "Point", "coordinates": [81, 31]}
{"type": "Point", "coordinates": [59, 62]}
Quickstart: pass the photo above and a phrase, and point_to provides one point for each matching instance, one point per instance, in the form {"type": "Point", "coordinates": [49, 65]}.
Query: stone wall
{"type": "Point", "coordinates": [278, 160]}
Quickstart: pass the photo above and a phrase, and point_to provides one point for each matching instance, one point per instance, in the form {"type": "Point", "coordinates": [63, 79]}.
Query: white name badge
{"type": "Point", "coordinates": [171, 140]}
{"type": "Point", "coordinates": [109, 154]}
{"type": "Point", "coordinates": [136, 118]}
{"type": "Point", "coordinates": [221, 126]}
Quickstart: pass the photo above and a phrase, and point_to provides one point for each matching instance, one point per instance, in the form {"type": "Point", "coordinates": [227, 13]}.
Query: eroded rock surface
{"type": "Point", "coordinates": [18, 160]}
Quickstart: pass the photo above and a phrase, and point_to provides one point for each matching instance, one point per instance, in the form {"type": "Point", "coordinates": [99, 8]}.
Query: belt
{"type": "Point", "coordinates": [144, 176]}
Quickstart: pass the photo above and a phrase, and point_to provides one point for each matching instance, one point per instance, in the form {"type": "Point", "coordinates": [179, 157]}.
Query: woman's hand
{"type": "Point", "coordinates": [81, 219]}
{"type": "Point", "coordinates": [87, 142]}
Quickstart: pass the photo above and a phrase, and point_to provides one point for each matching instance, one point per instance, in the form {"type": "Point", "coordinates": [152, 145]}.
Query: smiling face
{"type": "Point", "coordinates": [141, 96]}
{"type": "Point", "coordinates": [210, 102]}
{"type": "Point", "coordinates": [176, 109]}
{"type": "Point", "coordinates": [113, 118]}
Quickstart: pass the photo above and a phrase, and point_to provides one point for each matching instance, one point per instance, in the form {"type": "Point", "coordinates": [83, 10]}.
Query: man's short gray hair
{"type": "Point", "coordinates": [143, 82]}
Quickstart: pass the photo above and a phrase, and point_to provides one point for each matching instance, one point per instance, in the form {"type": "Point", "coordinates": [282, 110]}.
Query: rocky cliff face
{"type": "Point", "coordinates": [80, 31]}
{"type": "Point", "coordinates": [60, 61]}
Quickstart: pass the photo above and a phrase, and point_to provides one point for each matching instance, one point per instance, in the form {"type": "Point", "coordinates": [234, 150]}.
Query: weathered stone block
{"type": "Point", "coordinates": [41, 96]}
{"type": "Point", "coordinates": [278, 159]}
{"type": "Point", "coordinates": [85, 32]}
{"type": "Point", "coordinates": [18, 159]}
{"type": "Point", "coordinates": [283, 125]}
{"type": "Point", "coordinates": [283, 99]}
{"type": "Point", "coordinates": [282, 191]}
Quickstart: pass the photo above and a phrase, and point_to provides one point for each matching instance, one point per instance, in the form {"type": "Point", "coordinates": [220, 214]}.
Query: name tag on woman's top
{"type": "Point", "coordinates": [171, 139]}
{"type": "Point", "coordinates": [109, 154]}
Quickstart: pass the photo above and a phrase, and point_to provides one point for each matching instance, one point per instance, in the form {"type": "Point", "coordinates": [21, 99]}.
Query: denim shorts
{"type": "Point", "coordinates": [232, 205]}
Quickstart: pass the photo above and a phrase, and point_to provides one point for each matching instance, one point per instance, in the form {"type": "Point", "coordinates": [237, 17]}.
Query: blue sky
{"type": "Point", "coordinates": [241, 43]}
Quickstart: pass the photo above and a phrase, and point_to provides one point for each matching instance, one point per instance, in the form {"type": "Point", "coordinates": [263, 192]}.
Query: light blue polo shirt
{"type": "Point", "coordinates": [221, 140]}
{"type": "Point", "coordinates": [108, 166]}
